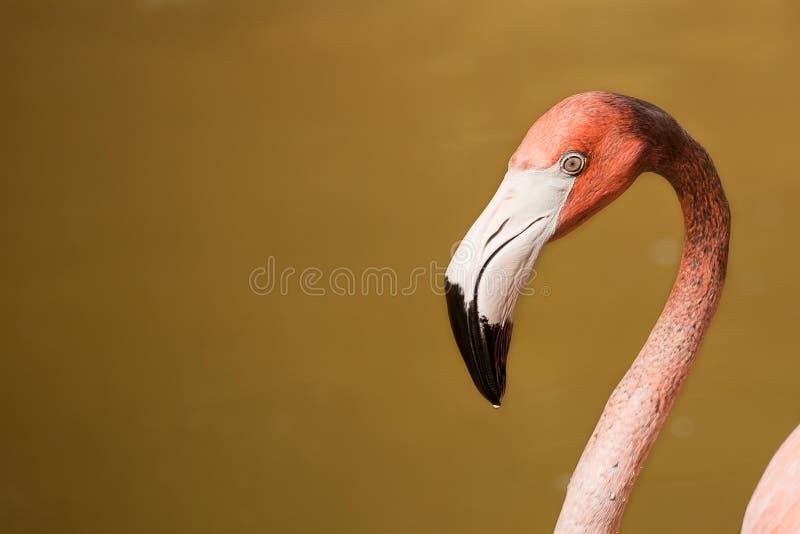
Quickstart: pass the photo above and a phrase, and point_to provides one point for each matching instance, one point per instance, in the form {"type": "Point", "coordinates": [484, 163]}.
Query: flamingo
{"type": "Point", "coordinates": [576, 159]}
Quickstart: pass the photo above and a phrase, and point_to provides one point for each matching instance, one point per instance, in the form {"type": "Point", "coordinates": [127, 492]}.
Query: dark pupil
{"type": "Point", "coordinates": [573, 164]}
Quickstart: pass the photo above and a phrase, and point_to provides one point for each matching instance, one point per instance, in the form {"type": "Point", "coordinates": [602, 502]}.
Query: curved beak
{"type": "Point", "coordinates": [491, 266]}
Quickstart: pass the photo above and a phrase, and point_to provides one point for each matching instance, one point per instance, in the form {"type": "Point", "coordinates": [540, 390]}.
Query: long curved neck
{"type": "Point", "coordinates": [601, 484]}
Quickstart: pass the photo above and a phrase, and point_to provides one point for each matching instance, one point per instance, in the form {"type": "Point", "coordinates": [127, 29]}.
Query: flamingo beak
{"type": "Point", "coordinates": [493, 263]}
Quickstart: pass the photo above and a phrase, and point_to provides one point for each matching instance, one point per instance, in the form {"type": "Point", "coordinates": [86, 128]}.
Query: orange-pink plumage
{"type": "Point", "coordinates": [610, 140]}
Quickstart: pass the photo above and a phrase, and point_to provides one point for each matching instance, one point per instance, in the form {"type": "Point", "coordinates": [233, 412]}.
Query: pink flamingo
{"type": "Point", "coordinates": [576, 159]}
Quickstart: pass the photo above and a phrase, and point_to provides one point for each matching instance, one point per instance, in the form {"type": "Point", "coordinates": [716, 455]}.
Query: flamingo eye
{"type": "Point", "coordinates": [573, 163]}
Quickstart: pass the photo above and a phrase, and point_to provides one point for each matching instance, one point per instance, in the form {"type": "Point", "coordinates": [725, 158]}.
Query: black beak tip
{"type": "Point", "coordinates": [483, 345]}
{"type": "Point", "coordinates": [495, 401]}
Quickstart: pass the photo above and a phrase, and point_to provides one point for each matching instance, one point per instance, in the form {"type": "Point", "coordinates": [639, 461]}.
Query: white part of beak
{"type": "Point", "coordinates": [494, 260]}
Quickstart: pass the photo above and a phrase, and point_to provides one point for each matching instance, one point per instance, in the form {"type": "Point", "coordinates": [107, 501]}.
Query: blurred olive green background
{"type": "Point", "coordinates": [155, 152]}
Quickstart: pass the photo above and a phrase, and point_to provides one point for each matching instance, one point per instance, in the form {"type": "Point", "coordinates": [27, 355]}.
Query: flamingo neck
{"type": "Point", "coordinates": [634, 414]}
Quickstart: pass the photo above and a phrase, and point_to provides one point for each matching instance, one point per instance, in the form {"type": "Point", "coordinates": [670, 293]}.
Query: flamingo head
{"type": "Point", "coordinates": [578, 157]}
